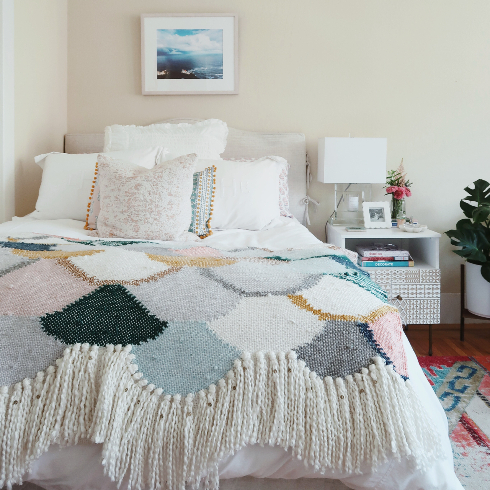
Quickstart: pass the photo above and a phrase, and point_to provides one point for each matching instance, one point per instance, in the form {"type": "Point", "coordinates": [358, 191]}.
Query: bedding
{"type": "Point", "coordinates": [205, 138]}
{"type": "Point", "coordinates": [67, 180]}
{"type": "Point", "coordinates": [145, 203]}
{"type": "Point", "coordinates": [288, 303]}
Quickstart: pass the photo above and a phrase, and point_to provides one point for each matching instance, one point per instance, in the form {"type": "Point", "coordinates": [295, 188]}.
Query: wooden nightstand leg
{"type": "Point", "coordinates": [430, 339]}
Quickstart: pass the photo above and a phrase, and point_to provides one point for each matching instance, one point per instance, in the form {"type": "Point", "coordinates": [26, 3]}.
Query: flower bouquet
{"type": "Point", "coordinates": [398, 186]}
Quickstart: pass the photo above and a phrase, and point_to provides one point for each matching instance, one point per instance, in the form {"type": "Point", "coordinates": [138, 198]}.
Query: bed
{"type": "Point", "coordinates": [412, 452]}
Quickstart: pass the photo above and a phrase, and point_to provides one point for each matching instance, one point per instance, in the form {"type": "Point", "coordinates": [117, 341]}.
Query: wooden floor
{"type": "Point", "coordinates": [446, 341]}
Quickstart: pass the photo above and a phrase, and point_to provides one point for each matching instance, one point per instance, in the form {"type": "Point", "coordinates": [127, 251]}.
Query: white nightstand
{"type": "Point", "coordinates": [415, 291]}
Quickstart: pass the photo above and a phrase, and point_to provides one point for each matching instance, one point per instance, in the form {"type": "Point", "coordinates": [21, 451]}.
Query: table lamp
{"type": "Point", "coordinates": [352, 164]}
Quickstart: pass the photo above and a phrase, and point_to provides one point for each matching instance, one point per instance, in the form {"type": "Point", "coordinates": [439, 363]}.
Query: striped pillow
{"type": "Point", "coordinates": [202, 199]}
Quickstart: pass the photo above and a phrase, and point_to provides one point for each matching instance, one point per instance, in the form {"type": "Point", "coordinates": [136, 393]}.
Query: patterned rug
{"type": "Point", "coordinates": [462, 384]}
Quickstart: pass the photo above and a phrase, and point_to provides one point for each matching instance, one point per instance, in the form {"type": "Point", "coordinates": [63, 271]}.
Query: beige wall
{"type": "Point", "coordinates": [40, 90]}
{"type": "Point", "coordinates": [415, 72]}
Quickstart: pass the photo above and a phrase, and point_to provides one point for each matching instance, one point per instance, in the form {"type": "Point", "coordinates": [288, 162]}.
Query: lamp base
{"type": "Point", "coordinates": [346, 222]}
{"type": "Point", "coordinates": [348, 204]}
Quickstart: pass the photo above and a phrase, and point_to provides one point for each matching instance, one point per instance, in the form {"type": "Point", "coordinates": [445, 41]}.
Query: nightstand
{"type": "Point", "coordinates": [415, 291]}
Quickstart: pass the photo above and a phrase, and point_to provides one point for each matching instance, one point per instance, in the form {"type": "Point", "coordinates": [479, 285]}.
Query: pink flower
{"type": "Point", "coordinates": [408, 192]}
{"type": "Point", "coordinates": [391, 189]}
{"type": "Point", "coordinates": [399, 193]}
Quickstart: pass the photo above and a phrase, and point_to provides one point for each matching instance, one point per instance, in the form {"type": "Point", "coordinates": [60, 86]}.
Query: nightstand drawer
{"type": "Point", "coordinates": [415, 311]}
{"type": "Point", "coordinates": [416, 291]}
{"type": "Point", "coordinates": [409, 276]}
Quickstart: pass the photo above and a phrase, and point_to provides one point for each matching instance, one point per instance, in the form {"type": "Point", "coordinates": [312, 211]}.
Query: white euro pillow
{"type": "Point", "coordinates": [246, 193]}
{"type": "Point", "coordinates": [67, 180]}
{"type": "Point", "coordinates": [207, 139]}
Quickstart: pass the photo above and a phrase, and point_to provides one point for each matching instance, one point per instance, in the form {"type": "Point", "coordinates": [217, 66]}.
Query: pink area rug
{"type": "Point", "coordinates": [462, 385]}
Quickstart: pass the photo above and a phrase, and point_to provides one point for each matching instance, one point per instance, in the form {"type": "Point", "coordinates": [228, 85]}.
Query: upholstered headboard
{"type": "Point", "coordinates": [241, 144]}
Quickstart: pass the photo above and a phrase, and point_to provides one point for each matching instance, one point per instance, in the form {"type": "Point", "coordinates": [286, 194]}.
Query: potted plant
{"type": "Point", "coordinates": [472, 234]}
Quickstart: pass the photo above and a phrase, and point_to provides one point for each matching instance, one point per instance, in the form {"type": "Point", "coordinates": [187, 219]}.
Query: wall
{"type": "Point", "coordinates": [415, 72]}
{"type": "Point", "coordinates": [7, 151]}
{"type": "Point", "coordinates": [40, 91]}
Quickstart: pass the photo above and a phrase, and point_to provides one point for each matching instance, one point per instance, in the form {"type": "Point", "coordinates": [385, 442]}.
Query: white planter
{"type": "Point", "coordinates": [477, 291]}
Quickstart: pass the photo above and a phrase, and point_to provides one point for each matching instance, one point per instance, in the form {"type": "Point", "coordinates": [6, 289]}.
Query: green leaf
{"type": "Point", "coordinates": [481, 213]}
{"type": "Point", "coordinates": [467, 208]}
{"type": "Point", "coordinates": [480, 193]}
{"type": "Point", "coordinates": [473, 243]}
{"type": "Point", "coordinates": [485, 271]}
{"type": "Point", "coordinates": [464, 224]}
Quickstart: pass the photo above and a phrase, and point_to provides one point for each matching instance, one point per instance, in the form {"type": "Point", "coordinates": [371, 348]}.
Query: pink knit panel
{"type": "Point", "coordinates": [47, 287]}
{"type": "Point", "coordinates": [199, 252]}
{"type": "Point", "coordinates": [387, 332]}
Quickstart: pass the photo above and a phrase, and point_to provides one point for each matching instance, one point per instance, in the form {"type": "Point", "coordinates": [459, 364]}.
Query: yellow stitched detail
{"type": "Point", "coordinates": [77, 272]}
{"type": "Point", "coordinates": [52, 254]}
{"type": "Point", "coordinates": [175, 261]}
{"type": "Point", "coordinates": [301, 302]}
{"type": "Point", "coordinates": [86, 227]}
{"type": "Point", "coordinates": [211, 208]}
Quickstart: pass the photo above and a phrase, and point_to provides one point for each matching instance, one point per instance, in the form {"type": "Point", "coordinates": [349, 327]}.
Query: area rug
{"type": "Point", "coordinates": [462, 385]}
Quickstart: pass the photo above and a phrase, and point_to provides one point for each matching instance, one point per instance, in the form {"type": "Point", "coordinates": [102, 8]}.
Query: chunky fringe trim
{"type": "Point", "coordinates": [158, 441]}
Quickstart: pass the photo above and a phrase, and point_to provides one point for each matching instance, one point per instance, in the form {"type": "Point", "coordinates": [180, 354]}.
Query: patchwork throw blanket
{"type": "Point", "coordinates": [174, 356]}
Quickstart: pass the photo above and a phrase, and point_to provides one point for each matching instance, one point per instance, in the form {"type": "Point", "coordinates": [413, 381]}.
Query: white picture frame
{"type": "Point", "coordinates": [189, 54]}
{"type": "Point", "coordinates": [376, 214]}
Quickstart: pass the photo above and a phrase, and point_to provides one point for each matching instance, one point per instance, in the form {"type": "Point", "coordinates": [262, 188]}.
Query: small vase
{"type": "Point", "coordinates": [398, 208]}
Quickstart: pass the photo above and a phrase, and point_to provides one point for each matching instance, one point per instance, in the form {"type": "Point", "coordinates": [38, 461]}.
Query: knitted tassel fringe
{"type": "Point", "coordinates": [158, 441]}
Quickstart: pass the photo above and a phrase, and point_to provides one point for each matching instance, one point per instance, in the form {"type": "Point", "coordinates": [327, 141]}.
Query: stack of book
{"type": "Point", "coordinates": [383, 256]}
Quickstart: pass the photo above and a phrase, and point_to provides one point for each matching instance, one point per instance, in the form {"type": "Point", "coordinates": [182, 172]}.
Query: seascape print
{"type": "Point", "coordinates": [190, 53]}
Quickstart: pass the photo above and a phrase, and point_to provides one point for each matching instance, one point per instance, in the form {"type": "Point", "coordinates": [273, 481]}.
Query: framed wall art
{"type": "Point", "coordinates": [189, 54]}
{"type": "Point", "coordinates": [376, 214]}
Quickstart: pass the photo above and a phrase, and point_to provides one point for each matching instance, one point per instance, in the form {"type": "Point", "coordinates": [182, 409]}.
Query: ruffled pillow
{"type": "Point", "coordinates": [145, 204]}
{"type": "Point", "coordinates": [205, 138]}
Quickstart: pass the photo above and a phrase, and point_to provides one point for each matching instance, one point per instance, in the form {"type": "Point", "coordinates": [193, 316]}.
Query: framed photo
{"type": "Point", "coordinates": [189, 54]}
{"type": "Point", "coordinates": [376, 214]}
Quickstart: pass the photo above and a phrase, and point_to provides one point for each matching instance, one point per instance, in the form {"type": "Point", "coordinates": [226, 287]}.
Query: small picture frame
{"type": "Point", "coordinates": [377, 214]}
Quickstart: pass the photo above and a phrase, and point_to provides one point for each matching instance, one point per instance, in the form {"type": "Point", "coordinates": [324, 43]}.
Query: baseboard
{"type": "Point", "coordinates": [450, 309]}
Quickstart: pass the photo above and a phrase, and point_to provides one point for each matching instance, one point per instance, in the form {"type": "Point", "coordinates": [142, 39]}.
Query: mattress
{"type": "Point", "coordinates": [79, 467]}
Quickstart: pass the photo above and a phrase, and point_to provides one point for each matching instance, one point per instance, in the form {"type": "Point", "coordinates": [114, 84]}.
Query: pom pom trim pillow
{"type": "Point", "coordinates": [133, 156]}
{"type": "Point", "coordinates": [149, 204]}
{"type": "Point", "coordinates": [67, 180]}
{"type": "Point", "coordinates": [202, 201]}
{"type": "Point", "coordinates": [205, 138]}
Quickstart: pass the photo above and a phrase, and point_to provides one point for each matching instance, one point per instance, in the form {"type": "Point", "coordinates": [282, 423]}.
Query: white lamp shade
{"type": "Point", "coordinates": [352, 160]}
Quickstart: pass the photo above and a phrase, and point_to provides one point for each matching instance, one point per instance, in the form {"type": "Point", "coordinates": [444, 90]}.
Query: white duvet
{"type": "Point", "coordinates": [79, 467]}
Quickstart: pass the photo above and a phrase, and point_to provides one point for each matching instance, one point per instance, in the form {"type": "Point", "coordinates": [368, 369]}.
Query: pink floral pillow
{"type": "Point", "coordinates": [151, 204]}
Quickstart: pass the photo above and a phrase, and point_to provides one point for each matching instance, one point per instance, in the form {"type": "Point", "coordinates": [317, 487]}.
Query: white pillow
{"type": "Point", "coordinates": [247, 193]}
{"type": "Point", "coordinates": [67, 180]}
{"type": "Point", "coordinates": [207, 139]}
